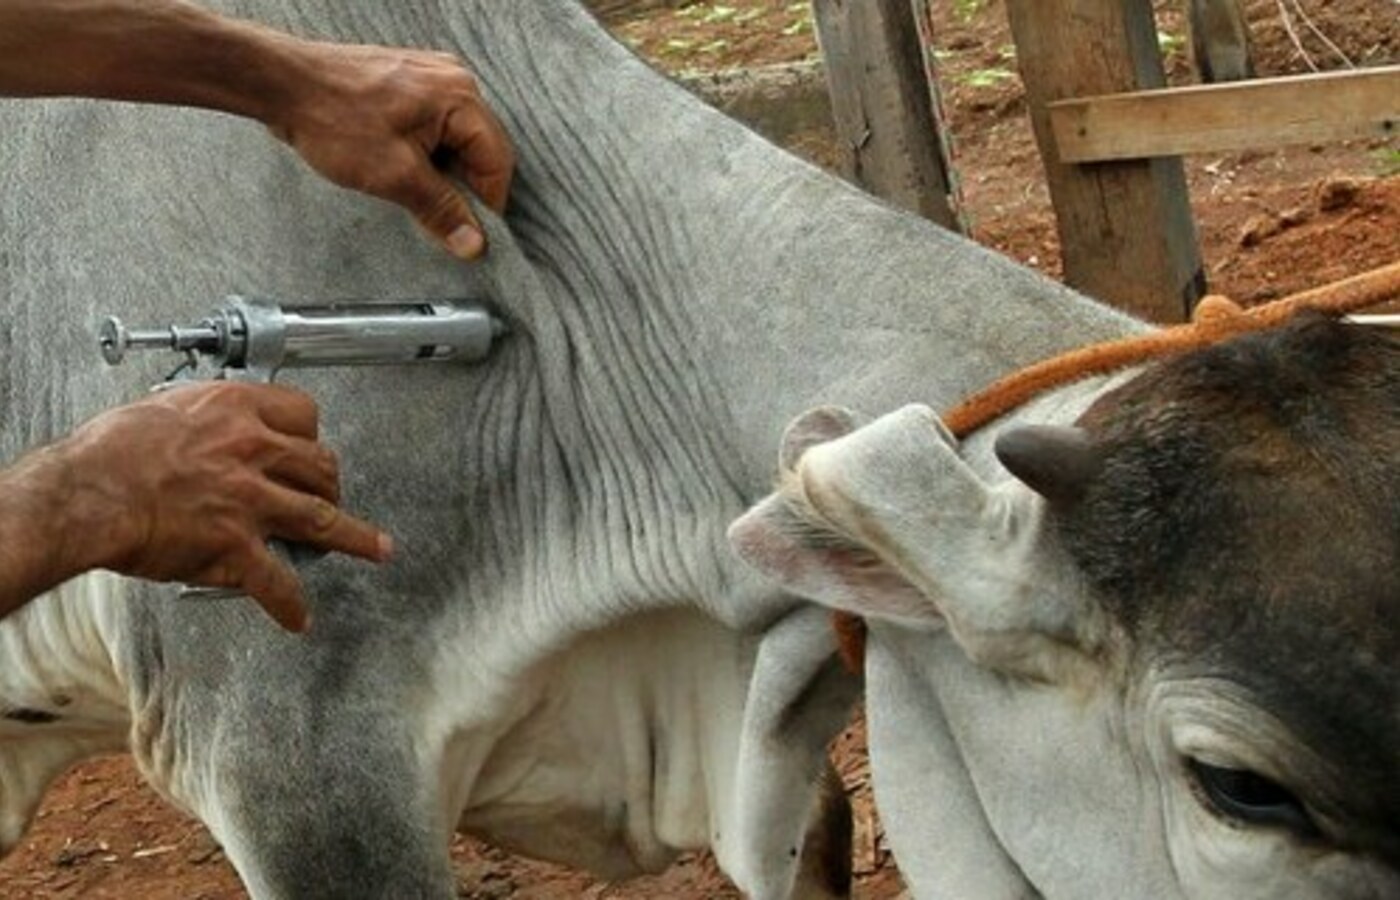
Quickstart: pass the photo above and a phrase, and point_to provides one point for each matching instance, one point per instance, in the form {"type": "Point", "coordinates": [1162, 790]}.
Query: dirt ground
{"type": "Point", "coordinates": [1271, 222]}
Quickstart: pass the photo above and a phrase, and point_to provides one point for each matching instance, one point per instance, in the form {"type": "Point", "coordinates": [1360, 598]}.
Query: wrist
{"type": "Point", "coordinates": [102, 517]}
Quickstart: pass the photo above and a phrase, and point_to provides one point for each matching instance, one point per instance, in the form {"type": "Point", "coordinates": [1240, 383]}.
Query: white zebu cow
{"type": "Point", "coordinates": [566, 657]}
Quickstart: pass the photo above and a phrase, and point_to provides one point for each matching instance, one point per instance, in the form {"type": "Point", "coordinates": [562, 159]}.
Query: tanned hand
{"type": "Point", "coordinates": [381, 120]}
{"type": "Point", "coordinates": [393, 123]}
{"type": "Point", "coordinates": [189, 484]}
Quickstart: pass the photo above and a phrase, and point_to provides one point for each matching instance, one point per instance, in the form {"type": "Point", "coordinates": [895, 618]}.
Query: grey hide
{"type": "Point", "coordinates": [566, 655]}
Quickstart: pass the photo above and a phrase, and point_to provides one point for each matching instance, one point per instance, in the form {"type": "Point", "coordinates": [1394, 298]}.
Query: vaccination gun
{"type": "Point", "coordinates": [251, 339]}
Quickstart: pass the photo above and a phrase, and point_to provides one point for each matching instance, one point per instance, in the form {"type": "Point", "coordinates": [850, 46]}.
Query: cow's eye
{"type": "Point", "coordinates": [1250, 798]}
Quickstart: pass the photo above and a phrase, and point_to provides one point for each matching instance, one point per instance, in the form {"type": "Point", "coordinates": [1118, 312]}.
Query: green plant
{"type": "Point", "coordinates": [718, 13]}
{"type": "Point", "coordinates": [980, 78]}
{"type": "Point", "coordinates": [1170, 44]}
{"type": "Point", "coordinates": [966, 9]}
{"type": "Point", "coordinates": [803, 22]}
{"type": "Point", "coordinates": [1388, 159]}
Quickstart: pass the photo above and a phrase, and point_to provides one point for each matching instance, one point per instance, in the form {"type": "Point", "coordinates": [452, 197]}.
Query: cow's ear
{"type": "Point", "coordinates": [784, 538]}
{"type": "Point", "coordinates": [816, 426]}
{"type": "Point", "coordinates": [985, 558]}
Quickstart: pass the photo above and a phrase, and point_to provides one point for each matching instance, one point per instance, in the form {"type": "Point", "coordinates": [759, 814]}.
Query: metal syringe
{"type": "Point", "coordinates": [256, 338]}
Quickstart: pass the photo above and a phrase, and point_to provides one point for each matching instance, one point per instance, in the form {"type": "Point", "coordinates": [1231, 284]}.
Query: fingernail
{"type": "Point", "coordinates": [466, 242]}
{"type": "Point", "coordinates": [386, 547]}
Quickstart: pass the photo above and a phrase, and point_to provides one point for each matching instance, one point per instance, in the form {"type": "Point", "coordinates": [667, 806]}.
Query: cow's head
{"type": "Point", "coordinates": [1163, 659]}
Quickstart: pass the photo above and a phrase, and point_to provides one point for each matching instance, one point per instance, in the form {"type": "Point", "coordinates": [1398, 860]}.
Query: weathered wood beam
{"type": "Point", "coordinates": [1126, 232]}
{"type": "Point", "coordinates": [1302, 109]}
{"type": "Point", "coordinates": [885, 119]}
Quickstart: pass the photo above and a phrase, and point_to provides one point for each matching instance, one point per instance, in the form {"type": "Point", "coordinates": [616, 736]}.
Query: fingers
{"type": "Point", "coordinates": [301, 502]}
{"type": "Point", "coordinates": [485, 157]}
{"type": "Point", "coordinates": [276, 588]}
{"type": "Point", "coordinates": [374, 119]}
{"type": "Point", "coordinates": [306, 466]}
{"type": "Point", "coordinates": [312, 520]}
{"type": "Point", "coordinates": [305, 519]}
{"type": "Point", "coordinates": [441, 211]}
{"type": "Point", "coordinates": [279, 407]}
{"type": "Point", "coordinates": [286, 409]}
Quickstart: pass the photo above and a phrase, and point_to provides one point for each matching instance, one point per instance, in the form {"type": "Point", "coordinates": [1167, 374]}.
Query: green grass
{"type": "Point", "coordinates": [1388, 160]}
{"type": "Point", "coordinates": [965, 10]}
{"type": "Point", "coordinates": [980, 78]}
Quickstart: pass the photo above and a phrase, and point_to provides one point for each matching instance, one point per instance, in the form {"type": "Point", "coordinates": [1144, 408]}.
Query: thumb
{"type": "Point", "coordinates": [442, 211]}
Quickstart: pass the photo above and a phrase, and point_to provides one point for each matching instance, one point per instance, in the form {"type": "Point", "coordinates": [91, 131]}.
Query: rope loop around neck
{"type": "Point", "coordinates": [1215, 319]}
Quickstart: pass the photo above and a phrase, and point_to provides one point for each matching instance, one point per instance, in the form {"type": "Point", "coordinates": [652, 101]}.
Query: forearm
{"type": "Point", "coordinates": [152, 51]}
{"type": "Point", "coordinates": [42, 540]}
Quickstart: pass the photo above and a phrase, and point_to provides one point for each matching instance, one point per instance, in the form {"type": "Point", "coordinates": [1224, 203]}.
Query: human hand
{"type": "Point", "coordinates": [380, 120]}
{"type": "Point", "coordinates": [376, 119]}
{"type": "Point", "coordinates": [188, 485]}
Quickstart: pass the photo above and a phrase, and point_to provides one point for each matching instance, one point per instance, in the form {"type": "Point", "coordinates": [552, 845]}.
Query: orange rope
{"type": "Point", "coordinates": [1215, 319]}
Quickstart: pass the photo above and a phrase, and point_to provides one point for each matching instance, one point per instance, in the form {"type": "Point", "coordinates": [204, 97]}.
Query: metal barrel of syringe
{"type": "Point", "coordinates": [259, 337]}
{"type": "Point", "coordinates": [270, 336]}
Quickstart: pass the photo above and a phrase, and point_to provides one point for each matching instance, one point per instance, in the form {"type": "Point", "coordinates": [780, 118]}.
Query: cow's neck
{"type": "Point", "coordinates": [686, 289]}
{"type": "Point", "coordinates": [661, 219]}
{"type": "Point", "coordinates": [697, 288]}
{"type": "Point", "coordinates": [671, 228]}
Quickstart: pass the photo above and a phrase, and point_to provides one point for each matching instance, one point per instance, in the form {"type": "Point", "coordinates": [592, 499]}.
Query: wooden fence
{"type": "Point", "coordinates": [1110, 133]}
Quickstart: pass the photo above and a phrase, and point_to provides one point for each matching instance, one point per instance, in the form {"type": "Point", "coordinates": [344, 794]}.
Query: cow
{"type": "Point", "coordinates": [1141, 638]}
{"type": "Point", "coordinates": [566, 657]}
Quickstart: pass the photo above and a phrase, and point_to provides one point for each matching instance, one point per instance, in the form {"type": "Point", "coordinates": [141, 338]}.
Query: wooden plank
{"type": "Point", "coordinates": [1302, 109]}
{"type": "Point", "coordinates": [880, 97]}
{"type": "Point", "coordinates": [1126, 232]}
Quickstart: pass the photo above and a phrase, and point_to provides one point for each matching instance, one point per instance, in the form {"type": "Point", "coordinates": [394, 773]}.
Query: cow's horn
{"type": "Point", "coordinates": [1055, 461]}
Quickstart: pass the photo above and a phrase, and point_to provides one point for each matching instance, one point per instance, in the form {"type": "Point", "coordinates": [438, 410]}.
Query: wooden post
{"type": "Point", "coordinates": [923, 21]}
{"type": "Point", "coordinates": [1126, 232]}
{"type": "Point", "coordinates": [880, 97]}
